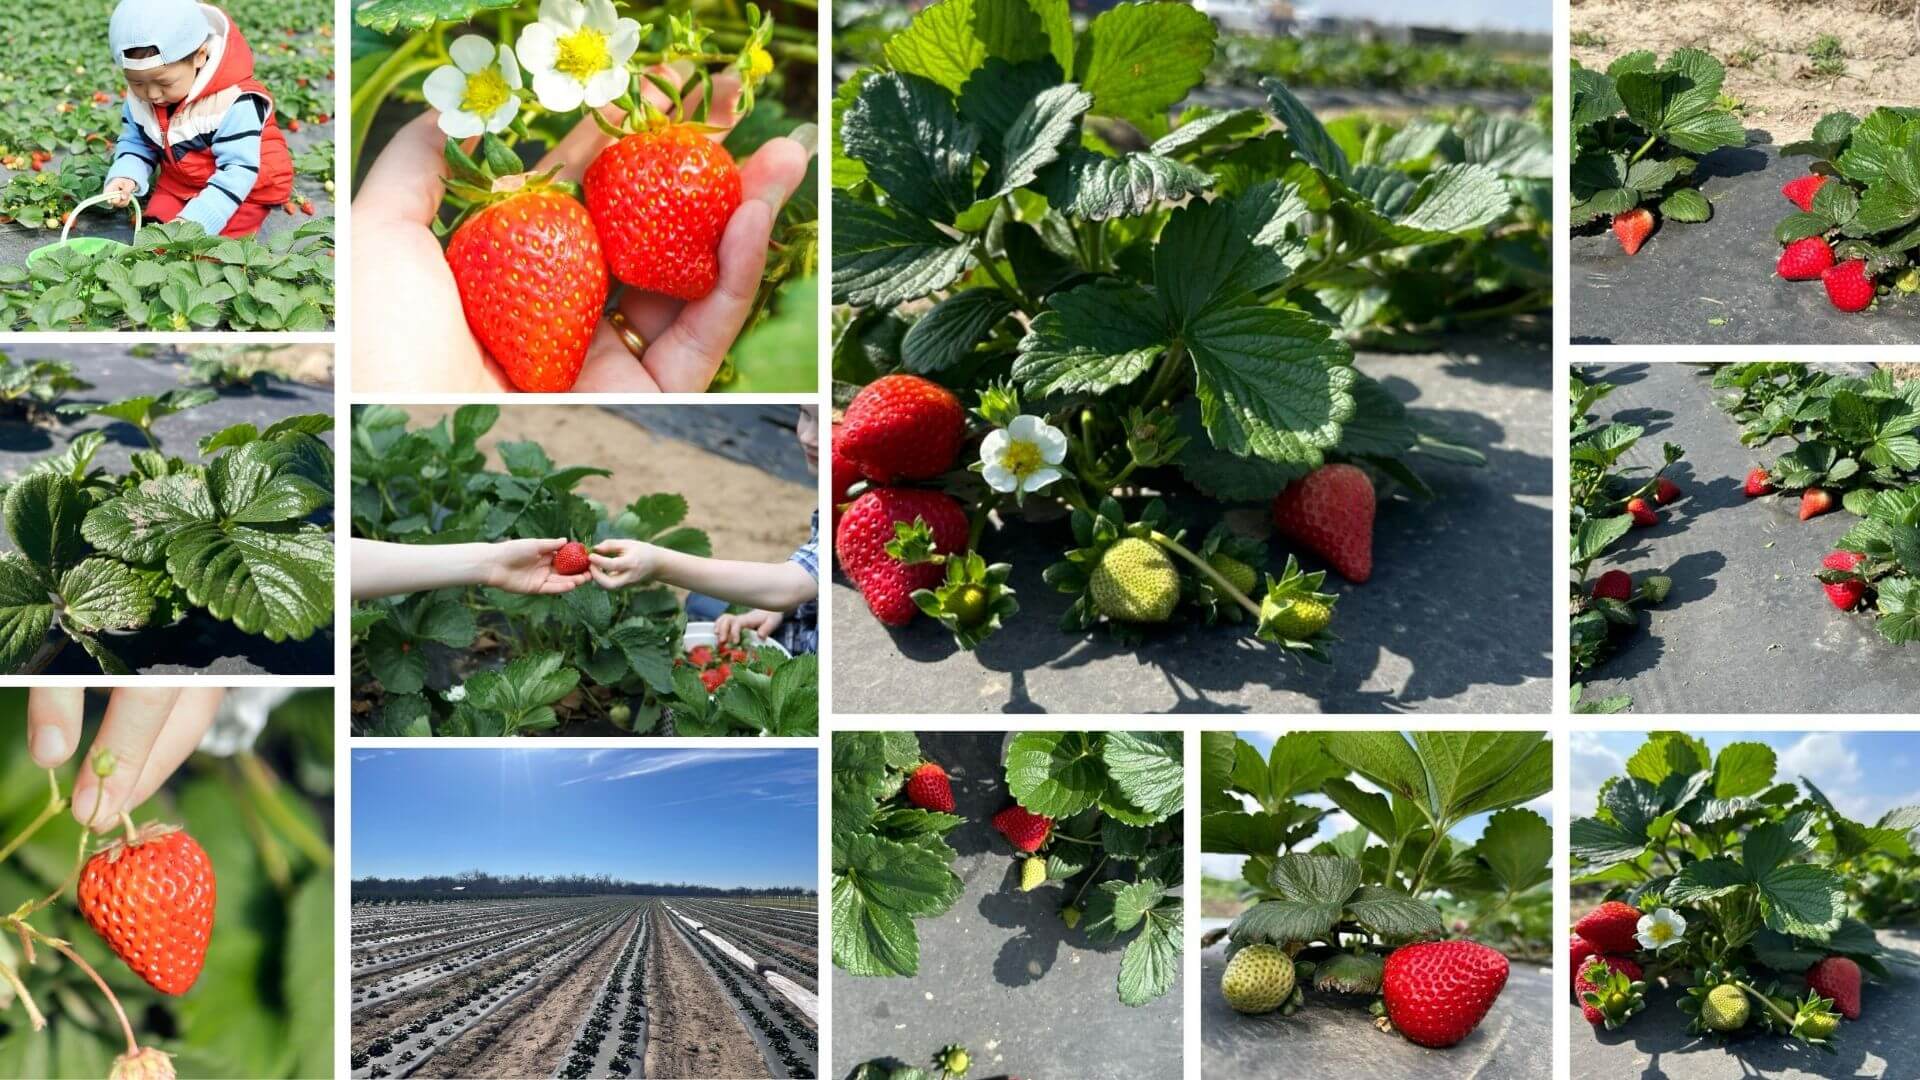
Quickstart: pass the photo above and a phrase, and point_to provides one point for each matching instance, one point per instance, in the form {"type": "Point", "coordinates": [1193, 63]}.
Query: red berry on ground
{"type": "Point", "coordinates": [1665, 491]}
{"type": "Point", "coordinates": [1611, 927]}
{"type": "Point", "coordinates": [902, 427]}
{"type": "Point", "coordinates": [1330, 511]}
{"type": "Point", "coordinates": [928, 788]}
{"type": "Point", "coordinates": [1814, 502]}
{"type": "Point", "coordinates": [1844, 594]}
{"type": "Point", "coordinates": [1437, 992]}
{"type": "Point", "coordinates": [1848, 285]}
{"type": "Point", "coordinates": [1805, 259]}
{"type": "Point", "coordinates": [1632, 229]}
{"type": "Point", "coordinates": [1800, 191]}
{"type": "Point", "coordinates": [1643, 514]}
{"type": "Point", "coordinates": [1614, 585]}
{"type": "Point", "coordinates": [1759, 483]}
{"type": "Point", "coordinates": [1023, 829]}
{"type": "Point", "coordinates": [1838, 978]}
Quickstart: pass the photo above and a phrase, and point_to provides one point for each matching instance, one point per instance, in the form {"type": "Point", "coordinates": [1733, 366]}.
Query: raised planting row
{"type": "Point", "coordinates": [416, 949]}
{"type": "Point", "coordinates": [612, 1040]}
{"type": "Point", "coordinates": [803, 968]}
{"type": "Point", "coordinates": [789, 1046]}
{"type": "Point", "coordinates": [804, 918]}
{"type": "Point", "coordinates": [377, 924]}
{"type": "Point", "coordinates": [402, 1051]}
{"type": "Point", "coordinates": [495, 947]}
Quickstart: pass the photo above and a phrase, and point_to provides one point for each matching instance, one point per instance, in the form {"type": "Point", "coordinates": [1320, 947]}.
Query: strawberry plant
{"type": "Point", "coordinates": [1346, 62]}
{"type": "Point", "coordinates": [422, 660]}
{"type": "Point", "coordinates": [1639, 131]}
{"type": "Point", "coordinates": [527, 72]}
{"type": "Point", "coordinates": [1358, 916]}
{"type": "Point", "coordinates": [1852, 436]}
{"type": "Point", "coordinates": [1886, 564]}
{"type": "Point", "coordinates": [1719, 879]}
{"type": "Point", "coordinates": [1097, 813]}
{"type": "Point", "coordinates": [144, 411]}
{"type": "Point", "coordinates": [1089, 323]}
{"type": "Point", "coordinates": [1609, 500]}
{"type": "Point", "coordinates": [1854, 228]}
{"type": "Point", "coordinates": [32, 386]}
{"type": "Point", "coordinates": [237, 538]}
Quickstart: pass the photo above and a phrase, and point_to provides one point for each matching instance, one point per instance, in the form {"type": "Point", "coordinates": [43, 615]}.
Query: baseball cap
{"type": "Point", "coordinates": [175, 27]}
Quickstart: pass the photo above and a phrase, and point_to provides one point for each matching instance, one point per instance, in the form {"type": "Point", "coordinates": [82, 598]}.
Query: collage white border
{"type": "Point", "coordinates": [1557, 721]}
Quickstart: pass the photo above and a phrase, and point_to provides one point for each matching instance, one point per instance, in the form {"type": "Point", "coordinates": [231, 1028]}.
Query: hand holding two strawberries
{"type": "Point", "coordinates": [411, 331]}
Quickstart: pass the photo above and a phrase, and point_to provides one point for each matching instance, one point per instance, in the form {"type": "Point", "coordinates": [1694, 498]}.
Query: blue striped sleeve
{"type": "Point", "coordinates": [135, 155]}
{"type": "Point", "coordinates": [808, 557]}
{"type": "Point", "coordinates": [236, 158]}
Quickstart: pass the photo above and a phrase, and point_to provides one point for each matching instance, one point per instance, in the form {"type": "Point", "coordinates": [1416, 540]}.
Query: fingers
{"type": "Point", "coordinates": [726, 628]}
{"type": "Point", "coordinates": [548, 547]}
{"type": "Point", "coordinates": [53, 724]}
{"type": "Point", "coordinates": [406, 182]}
{"type": "Point", "coordinates": [132, 725]}
{"type": "Point", "coordinates": [611, 367]}
{"type": "Point", "coordinates": [192, 714]}
{"type": "Point", "coordinates": [557, 584]}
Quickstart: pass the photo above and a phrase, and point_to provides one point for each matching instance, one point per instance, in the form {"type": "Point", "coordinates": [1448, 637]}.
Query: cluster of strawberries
{"type": "Point", "coordinates": [1840, 574]}
{"type": "Point", "coordinates": [929, 788]}
{"type": "Point", "coordinates": [1848, 285]}
{"type": "Point", "coordinates": [1606, 981]}
{"type": "Point", "coordinates": [532, 263]}
{"type": "Point", "coordinates": [1618, 584]}
{"type": "Point", "coordinates": [900, 428]}
{"type": "Point", "coordinates": [714, 665]}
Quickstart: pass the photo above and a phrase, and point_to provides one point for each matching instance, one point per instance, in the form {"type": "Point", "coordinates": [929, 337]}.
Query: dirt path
{"type": "Point", "coordinates": [531, 1036]}
{"type": "Point", "coordinates": [747, 513]}
{"type": "Point", "coordinates": [691, 1030]}
{"type": "Point", "coordinates": [1768, 49]}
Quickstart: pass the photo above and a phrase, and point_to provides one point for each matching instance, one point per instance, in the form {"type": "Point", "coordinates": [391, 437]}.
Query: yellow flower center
{"type": "Point", "coordinates": [486, 93]}
{"type": "Point", "coordinates": [759, 63]}
{"type": "Point", "coordinates": [1660, 932]}
{"type": "Point", "coordinates": [583, 54]}
{"type": "Point", "coordinates": [1022, 459]}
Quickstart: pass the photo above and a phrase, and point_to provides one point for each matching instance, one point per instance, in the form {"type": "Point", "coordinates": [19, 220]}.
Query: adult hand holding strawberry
{"type": "Point", "coordinates": [148, 731]}
{"type": "Point", "coordinates": [517, 566]}
{"type": "Point", "coordinates": [412, 333]}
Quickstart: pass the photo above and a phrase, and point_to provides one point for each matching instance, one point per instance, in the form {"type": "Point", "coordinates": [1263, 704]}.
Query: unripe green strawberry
{"type": "Point", "coordinates": [1135, 582]}
{"type": "Point", "coordinates": [971, 605]}
{"type": "Point", "coordinates": [1348, 973]}
{"type": "Point", "coordinates": [1237, 573]}
{"type": "Point", "coordinates": [1033, 873]}
{"type": "Point", "coordinates": [1725, 1008]}
{"type": "Point", "coordinates": [954, 1060]}
{"type": "Point", "coordinates": [1819, 1026]}
{"type": "Point", "coordinates": [1258, 979]}
{"type": "Point", "coordinates": [660, 201]}
{"type": "Point", "coordinates": [145, 1063]}
{"type": "Point", "coordinates": [1303, 618]}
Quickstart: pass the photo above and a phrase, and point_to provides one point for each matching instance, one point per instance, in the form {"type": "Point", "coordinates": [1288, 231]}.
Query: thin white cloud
{"type": "Point", "coordinates": [636, 763]}
{"type": "Point", "coordinates": [1591, 762]}
{"type": "Point", "coordinates": [1827, 759]}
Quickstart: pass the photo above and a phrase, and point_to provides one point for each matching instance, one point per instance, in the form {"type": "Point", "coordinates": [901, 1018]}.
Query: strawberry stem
{"type": "Point", "coordinates": [265, 785]}
{"type": "Point", "coordinates": [126, 1028]}
{"type": "Point", "coordinates": [1219, 581]}
{"type": "Point", "coordinates": [26, 999]}
{"type": "Point", "coordinates": [55, 803]}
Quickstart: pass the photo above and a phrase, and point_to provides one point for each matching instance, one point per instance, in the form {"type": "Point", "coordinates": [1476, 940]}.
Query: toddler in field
{"type": "Point", "coordinates": [195, 113]}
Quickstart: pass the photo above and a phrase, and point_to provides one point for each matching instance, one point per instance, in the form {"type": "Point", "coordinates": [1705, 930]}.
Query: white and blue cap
{"type": "Point", "coordinates": [175, 27]}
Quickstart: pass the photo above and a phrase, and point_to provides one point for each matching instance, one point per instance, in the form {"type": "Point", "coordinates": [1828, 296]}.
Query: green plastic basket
{"type": "Point", "coordinates": [86, 245]}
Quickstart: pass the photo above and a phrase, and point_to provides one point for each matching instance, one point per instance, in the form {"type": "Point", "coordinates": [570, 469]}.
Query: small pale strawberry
{"type": "Point", "coordinates": [1033, 873]}
{"type": "Point", "coordinates": [1814, 502]}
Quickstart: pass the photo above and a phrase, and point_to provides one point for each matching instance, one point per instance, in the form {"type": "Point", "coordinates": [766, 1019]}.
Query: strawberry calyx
{"type": "Point", "coordinates": [135, 836]}
{"type": "Point", "coordinates": [493, 175]}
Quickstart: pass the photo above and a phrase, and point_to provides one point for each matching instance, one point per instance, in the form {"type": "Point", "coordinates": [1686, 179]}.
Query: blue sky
{"type": "Point", "coordinates": [1865, 773]}
{"type": "Point", "coordinates": [720, 817]}
{"type": "Point", "coordinates": [1461, 14]}
{"type": "Point", "coordinates": [1228, 866]}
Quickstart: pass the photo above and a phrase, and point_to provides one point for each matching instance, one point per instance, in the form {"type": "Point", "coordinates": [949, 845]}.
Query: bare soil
{"type": "Point", "coordinates": [531, 1035]}
{"type": "Point", "coordinates": [749, 514]}
{"type": "Point", "coordinates": [691, 1030]}
{"type": "Point", "coordinates": [398, 1012]}
{"type": "Point", "coordinates": [1767, 46]}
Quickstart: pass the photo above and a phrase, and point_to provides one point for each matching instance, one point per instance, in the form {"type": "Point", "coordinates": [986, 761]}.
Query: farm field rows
{"type": "Point", "coordinates": [584, 987]}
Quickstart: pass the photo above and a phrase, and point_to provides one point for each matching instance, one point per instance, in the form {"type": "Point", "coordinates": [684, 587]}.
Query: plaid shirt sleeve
{"type": "Point", "coordinates": [801, 632]}
{"type": "Point", "coordinates": [809, 554]}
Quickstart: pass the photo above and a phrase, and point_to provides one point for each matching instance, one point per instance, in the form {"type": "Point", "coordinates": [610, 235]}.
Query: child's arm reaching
{"type": "Point", "coordinates": [521, 566]}
{"type": "Point", "coordinates": [236, 158]}
{"type": "Point", "coordinates": [134, 158]}
{"type": "Point", "coordinates": [774, 586]}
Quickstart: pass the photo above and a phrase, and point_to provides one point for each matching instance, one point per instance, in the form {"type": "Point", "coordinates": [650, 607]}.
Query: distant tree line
{"type": "Point", "coordinates": [479, 883]}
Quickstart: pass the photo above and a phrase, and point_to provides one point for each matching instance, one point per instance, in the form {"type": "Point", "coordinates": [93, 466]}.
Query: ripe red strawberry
{"type": "Point", "coordinates": [1665, 491]}
{"type": "Point", "coordinates": [1614, 585]}
{"type": "Point", "coordinates": [846, 473]}
{"type": "Point", "coordinates": [571, 559]}
{"type": "Point", "coordinates": [1838, 978]}
{"type": "Point", "coordinates": [661, 200]}
{"type": "Point", "coordinates": [1844, 594]}
{"type": "Point", "coordinates": [1437, 992]}
{"type": "Point", "coordinates": [1578, 950]}
{"type": "Point", "coordinates": [712, 678]}
{"type": "Point", "coordinates": [928, 789]}
{"type": "Point", "coordinates": [1643, 515]}
{"type": "Point", "coordinates": [533, 285]}
{"type": "Point", "coordinates": [1610, 927]}
{"type": "Point", "coordinates": [1582, 985]}
{"type": "Point", "coordinates": [1024, 830]}
{"type": "Point", "coordinates": [1805, 259]}
{"type": "Point", "coordinates": [903, 427]}
{"type": "Point", "coordinates": [700, 655]}
{"type": "Point", "coordinates": [1330, 510]}
{"type": "Point", "coordinates": [151, 898]}
{"type": "Point", "coordinates": [1759, 483]}
{"type": "Point", "coordinates": [1848, 285]}
{"type": "Point", "coordinates": [1814, 502]}
{"type": "Point", "coordinates": [861, 544]}
{"type": "Point", "coordinates": [1632, 229]}
{"type": "Point", "coordinates": [1801, 191]}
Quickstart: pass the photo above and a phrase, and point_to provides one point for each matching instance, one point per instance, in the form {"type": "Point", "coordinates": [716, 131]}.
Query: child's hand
{"type": "Point", "coordinates": [728, 628]}
{"type": "Point", "coordinates": [526, 566]}
{"type": "Point", "coordinates": [120, 191]}
{"type": "Point", "coordinates": [619, 563]}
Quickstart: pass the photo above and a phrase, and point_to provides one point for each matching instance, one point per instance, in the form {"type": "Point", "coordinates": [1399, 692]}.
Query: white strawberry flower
{"type": "Point", "coordinates": [578, 53]}
{"type": "Point", "coordinates": [1662, 929]}
{"type": "Point", "coordinates": [1022, 456]}
{"type": "Point", "coordinates": [479, 92]}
